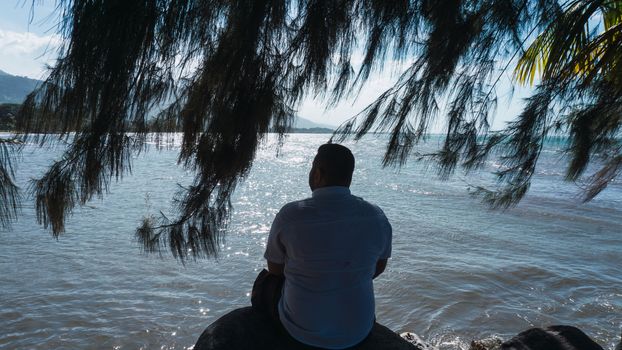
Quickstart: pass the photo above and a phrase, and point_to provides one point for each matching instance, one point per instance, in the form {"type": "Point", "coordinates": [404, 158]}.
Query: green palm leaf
{"type": "Point", "coordinates": [579, 45]}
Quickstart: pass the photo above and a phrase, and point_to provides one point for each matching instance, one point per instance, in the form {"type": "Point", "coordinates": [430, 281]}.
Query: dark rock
{"type": "Point", "coordinates": [246, 328]}
{"type": "Point", "coordinates": [486, 344]}
{"type": "Point", "coordinates": [551, 338]}
{"type": "Point", "coordinates": [415, 340]}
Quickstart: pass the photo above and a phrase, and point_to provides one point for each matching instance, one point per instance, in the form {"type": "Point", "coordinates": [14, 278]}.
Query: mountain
{"type": "Point", "coordinates": [302, 123]}
{"type": "Point", "coordinates": [13, 89]}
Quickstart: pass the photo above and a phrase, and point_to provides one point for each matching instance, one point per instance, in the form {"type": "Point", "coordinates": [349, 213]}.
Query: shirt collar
{"type": "Point", "coordinates": [330, 191]}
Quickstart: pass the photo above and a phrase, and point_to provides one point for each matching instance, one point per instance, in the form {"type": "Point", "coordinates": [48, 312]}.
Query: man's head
{"type": "Point", "coordinates": [333, 166]}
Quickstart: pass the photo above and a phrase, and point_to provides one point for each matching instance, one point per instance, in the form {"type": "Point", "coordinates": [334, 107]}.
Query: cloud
{"type": "Point", "coordinates": [25, 53]}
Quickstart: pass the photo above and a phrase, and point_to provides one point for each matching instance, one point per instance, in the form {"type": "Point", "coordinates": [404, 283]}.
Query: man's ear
{"type": "Point", "coordinates": [318, 176]}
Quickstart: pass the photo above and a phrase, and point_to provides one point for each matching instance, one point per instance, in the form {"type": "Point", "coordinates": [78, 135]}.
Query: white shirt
{"type": "Point", "coordinates": [330, 244]}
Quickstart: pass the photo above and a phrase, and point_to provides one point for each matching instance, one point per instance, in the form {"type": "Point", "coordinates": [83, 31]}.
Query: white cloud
{"type": "Point", "coordinates": [510, 102]}
{"type": "Point", "coordinates": [25, 53]}
{"type": "Point", "coordinates": [314, 109]}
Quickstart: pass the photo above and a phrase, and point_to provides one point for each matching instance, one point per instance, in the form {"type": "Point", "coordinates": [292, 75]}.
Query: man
{"type": "Point", "coordinates": [329, 248]}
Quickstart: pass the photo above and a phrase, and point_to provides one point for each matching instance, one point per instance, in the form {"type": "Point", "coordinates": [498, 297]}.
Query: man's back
{"type": "Point", "coordinates": [330, 245]}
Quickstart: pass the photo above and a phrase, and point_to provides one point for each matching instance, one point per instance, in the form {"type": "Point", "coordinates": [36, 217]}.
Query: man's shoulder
{"type": "Point", "coordinates": [294, 207]}
{"type": "Point", "coordinates": [371, 208]}
{"type": "Point", "coordinates": [373, 213]}
{"type": "Point", "coordinates": [300, 208]}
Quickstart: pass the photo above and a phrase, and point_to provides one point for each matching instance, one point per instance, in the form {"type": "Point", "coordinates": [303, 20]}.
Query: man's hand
{"type": "Point", "coordinates": [380, 266]}
{"type": "Point", "coordinates": [277, 269]}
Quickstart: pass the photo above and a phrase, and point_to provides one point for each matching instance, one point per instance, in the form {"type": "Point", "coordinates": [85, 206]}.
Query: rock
{"type": "Point", "coordinates": [551, 338]}
{"type": "Point", "coordinates": [415, 340]}
{"type": "Point", "coordinates": [486, 344]}
{"type": "Point", "coordinates": [247, 329]}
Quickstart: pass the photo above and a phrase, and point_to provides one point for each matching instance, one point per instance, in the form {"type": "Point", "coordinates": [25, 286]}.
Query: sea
{"type": "Point", "coordinates": [459, 271]}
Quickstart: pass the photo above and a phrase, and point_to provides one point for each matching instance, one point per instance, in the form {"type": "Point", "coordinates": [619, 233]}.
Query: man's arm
{"type": "Point", "coordinates": [380, 266]}
{"type": "Point", "coordinates": [276, 269]}
{"type": "Point", "coordinates": [275, 251]}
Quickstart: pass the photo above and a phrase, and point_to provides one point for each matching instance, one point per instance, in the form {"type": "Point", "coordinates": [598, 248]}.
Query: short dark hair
{"type": "Point", "coordinates": [336, 162]}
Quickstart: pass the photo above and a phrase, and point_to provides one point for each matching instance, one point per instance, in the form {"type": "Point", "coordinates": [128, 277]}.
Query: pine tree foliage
{"type": "Point", "coordinates": [9, 192]}
{"type": "Point", "coordinates": [230, 71]}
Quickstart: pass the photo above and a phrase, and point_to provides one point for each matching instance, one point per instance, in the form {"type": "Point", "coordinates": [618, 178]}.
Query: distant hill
{"type": "Point", "coordinates": [13, 89]}
{"type": "Point", "coordinates": [302, 123]}
{"type": "Point", "coordinates": [311, 131]}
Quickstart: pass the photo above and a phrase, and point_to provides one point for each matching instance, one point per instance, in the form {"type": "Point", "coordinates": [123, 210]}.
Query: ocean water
{"type": "Point", "coordinates": [459, 271]}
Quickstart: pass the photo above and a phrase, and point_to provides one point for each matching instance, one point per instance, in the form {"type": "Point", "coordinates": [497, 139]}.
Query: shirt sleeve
{"type": "Point", "coordinates": [388, 234]}
{"type": "Point", "coordinates": [275, 251]}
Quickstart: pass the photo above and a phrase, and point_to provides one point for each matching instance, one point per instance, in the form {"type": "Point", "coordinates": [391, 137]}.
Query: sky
{"type": "Point", "coordinates": [28, 42]}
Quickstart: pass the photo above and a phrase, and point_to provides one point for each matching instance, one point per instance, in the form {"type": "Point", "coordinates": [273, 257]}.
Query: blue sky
{"type": "Point", "coordinates": [28, 42]}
